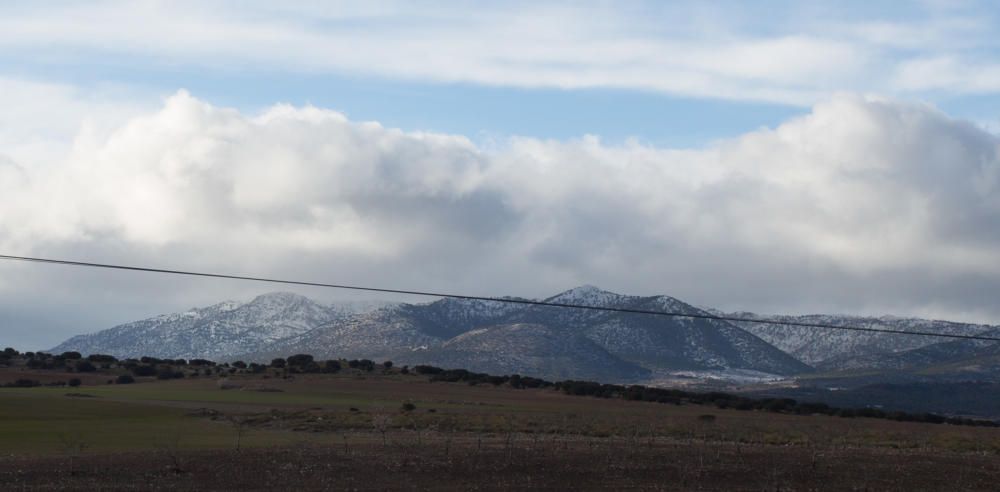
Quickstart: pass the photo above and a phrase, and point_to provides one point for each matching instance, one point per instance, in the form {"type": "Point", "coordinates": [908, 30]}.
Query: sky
{"type": "Point", "coordinates": [776, 157]}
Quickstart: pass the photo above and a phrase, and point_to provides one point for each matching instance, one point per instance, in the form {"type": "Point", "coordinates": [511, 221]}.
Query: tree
{"type": "Point", "coordinates": [299, 360]}
{"type": "Point", "coordinates": [144, 371]}
{"type": "Point", "coordinates": [169, 373]}
{"type": "Point", "coordinates": [71, 355]}
{"type": "Point", "coordinates": [240, 424]}
{"type": "Point", "coordinates": [73, 383]}
{"type": "Point", "coordinates": [125, 379]}
{"type": "Point", "coordinates": [278, 363]}
{"type": "Point", "coordinates": [85, 366]}
{"type": "Point", "coordinates": [102, 359]}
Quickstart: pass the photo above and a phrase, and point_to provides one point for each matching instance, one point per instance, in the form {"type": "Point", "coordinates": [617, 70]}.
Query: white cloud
{"type": "Point", "coordinates": [949, 73]}
{"type": "Point", "coordinates": [862, 204]}
{"type": "Point", "coordinates": [687, 49]}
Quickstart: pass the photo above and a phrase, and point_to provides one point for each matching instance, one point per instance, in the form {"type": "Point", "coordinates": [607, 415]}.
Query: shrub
{"type": "Point", "coordinates": [362, 364]}
{"type": "Point", "coordinates": [85, 366]}
{"type": "Point", "coordinates": [422, 369]}
{"type": "Point", "coordinates": [299, 359]}
{"type": "Point", "coordinates": [102, 359]}
{"type": "Point", "coordinates": [125, 379]}
{"type": "Point", "coordinates": [225, 384]}
{"type": "Point", "coordinates": [409, 407]}
{"type": "Point", "coordinates": [168, 373]}
{"type": "Point", "coordinates": [144, 371]}
{"type": "Point", "coordinates": [75, 382]}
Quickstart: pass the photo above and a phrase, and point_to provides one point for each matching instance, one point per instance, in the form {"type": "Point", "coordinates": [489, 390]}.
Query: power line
{"type": "Point", "coordinates": [502, 299]}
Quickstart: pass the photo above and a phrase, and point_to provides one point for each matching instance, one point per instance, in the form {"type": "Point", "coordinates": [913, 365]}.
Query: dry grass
{"type": "Point", "coordinates": [350, 431]}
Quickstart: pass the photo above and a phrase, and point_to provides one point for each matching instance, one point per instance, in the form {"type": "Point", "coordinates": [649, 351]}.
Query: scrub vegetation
{"type": "Point", "coordinates": [360, 424]}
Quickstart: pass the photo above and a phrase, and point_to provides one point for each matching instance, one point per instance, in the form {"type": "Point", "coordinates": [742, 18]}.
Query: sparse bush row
{"type": "Point", "coordinates": [306, 364]}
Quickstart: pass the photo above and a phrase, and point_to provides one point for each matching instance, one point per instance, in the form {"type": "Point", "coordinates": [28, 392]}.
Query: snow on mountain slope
{"type": "Point", "coordinates": [824, 347]}
{"type": "Point", "coordinates": [215, 332]}
{"type": "Point", "coordinates": [660, 342]}
{"type": "Point", "coordinates": [512, 337]}
{"type": "Point", "coordinates": [948, 356]}
{"type": "Point", "coordinates": [598, 342]}
{"type": "Point", "coordinates": [529, 350]}
{"type": "Point", "coordinates": [381, 335]}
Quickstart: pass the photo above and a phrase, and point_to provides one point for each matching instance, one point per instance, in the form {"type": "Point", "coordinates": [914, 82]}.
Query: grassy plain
{"type": "Point", "coordinates": [351, 431]}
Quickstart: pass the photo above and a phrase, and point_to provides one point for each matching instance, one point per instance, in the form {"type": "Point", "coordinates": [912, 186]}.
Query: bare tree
{"type": "Point", "coordinates": [75, 444]}
{"type": "Point", "coordinates": [240, 423]}
{"type": "Point", "coordinates": [381, 422]}
{"type": "Point", "coordinates": [169, 447]}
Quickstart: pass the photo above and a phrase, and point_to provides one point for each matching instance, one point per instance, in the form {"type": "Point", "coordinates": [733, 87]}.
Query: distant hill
{"type": "Point", "coordinates": [521, 348]}
{"type": "Point", "coordinates": [544, 341]}
{"type": "Point", "coordinates": [215, 332]}
{"type": "Point", "coordinates": [832, 349]}
{"type": "Point", "coordinates": [481, 335]}
{"type": "Point", "coordinates": [559, 343]}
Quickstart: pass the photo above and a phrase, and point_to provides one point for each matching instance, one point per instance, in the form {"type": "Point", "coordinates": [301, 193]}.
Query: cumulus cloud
{"type": "Point", "coordinates": [861, 205]}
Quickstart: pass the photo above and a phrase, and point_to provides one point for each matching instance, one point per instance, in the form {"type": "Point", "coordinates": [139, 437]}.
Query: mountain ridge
{"type": "Point", "coordinates": [625, 346]}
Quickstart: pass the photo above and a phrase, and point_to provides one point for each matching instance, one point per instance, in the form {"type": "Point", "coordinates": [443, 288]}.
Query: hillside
{"type": "Point", "coordinates": [619, 346]}
{"type": "Point", "coordinates": [560, 342]}
{"type": "Point", "coordinates": [213, 332]}
{"type": "Point", "coordinates": [554, 353]}
{"type": "Point", "coordinates": [831, 349]}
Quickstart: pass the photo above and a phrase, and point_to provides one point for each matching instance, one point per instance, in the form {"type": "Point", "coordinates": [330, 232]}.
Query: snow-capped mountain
{"type": "Point", "coordinates": [552, 342]}
{"type": "Point", "coordinates": [832, 349]}
{"type": "Point", "coordinates": [555, 353]}
{"type": "Point", "coordinates": [660, 342]}
{"type": "Point", "coordinates": [960, 360]}
{"type": "Point", "coordinates": [214, 332]}
{"type": "Point", "coordinates": [490, 334]}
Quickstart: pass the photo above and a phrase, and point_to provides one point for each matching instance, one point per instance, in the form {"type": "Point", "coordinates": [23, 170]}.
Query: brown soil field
{"type": "Point", "coordinates": [522, 462]}
{"type": "Point", "coordinates": [350, 431]}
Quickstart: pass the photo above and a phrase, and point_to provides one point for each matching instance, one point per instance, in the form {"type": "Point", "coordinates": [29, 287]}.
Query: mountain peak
{"type": "Point", "coordinates": [587, 295]}
{"type": "Point", "coordinates": [279, 298]}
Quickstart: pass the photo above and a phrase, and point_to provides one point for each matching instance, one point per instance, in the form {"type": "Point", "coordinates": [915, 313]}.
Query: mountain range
{"type": "Point", "coordinates": [559, 343]}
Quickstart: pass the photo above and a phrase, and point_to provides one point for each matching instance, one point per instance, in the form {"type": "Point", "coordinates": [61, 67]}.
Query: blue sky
{"type": "Point", "coordinates": [606, 71]}
{"type": "Point", "coordinates": [481, 112]}
{"type": "Point", "coordinates": [766, 156]}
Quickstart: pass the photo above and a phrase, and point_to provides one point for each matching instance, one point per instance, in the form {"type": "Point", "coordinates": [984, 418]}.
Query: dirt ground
{"type": "Point", "coordinates": [351, 432]}
{"type": "Point", "coordinates": [508, 462]}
